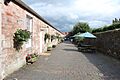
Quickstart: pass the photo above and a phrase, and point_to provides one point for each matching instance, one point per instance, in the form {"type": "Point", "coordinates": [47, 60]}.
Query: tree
{"type": "Point", "coordinates": [80, 27]}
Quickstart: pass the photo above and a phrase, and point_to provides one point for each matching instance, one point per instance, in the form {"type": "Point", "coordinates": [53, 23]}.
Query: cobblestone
{"type": "Point", "coordinates": [66, 63]}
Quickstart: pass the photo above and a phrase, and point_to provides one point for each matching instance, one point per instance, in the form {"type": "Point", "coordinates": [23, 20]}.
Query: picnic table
{"type": "Point", "coordinates": [86, 48]}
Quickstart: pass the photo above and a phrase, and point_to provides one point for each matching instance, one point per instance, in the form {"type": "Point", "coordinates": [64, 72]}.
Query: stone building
{"type": "Point", "coordinates": [14, 14]}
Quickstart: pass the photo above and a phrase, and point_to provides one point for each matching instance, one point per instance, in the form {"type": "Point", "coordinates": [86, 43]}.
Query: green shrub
{"type": "Point", "coordinates": [53, 46]}
{"type": "Point", "coordinates": [53, 37]}
{"type": "Point", "coordinates": [106, 28]}
{"type": "Point", "coordinates": [47, 36]}
{"type": "Point", "coordinates": [49, 48]}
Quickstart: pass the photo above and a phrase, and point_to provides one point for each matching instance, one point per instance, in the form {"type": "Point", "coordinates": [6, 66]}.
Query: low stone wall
{"type": "Point", "coordinates": [108, 42]}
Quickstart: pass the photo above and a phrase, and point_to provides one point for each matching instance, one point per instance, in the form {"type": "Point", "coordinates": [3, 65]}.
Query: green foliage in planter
{"type": "Point", "coordinates": [60, 39]}
{"type": "Point", "coordinates": [53, 37]}
{"type": "Point", "coordinates": [57, 37]}
{"type": "Point", "coordinates": [49, 48]}
{"type": "Point", "coordinates": [47, 36]}
{"type": "Point", "coordinates": [20, 36]}
{"type": "Point", "coordinates": [53, 46]}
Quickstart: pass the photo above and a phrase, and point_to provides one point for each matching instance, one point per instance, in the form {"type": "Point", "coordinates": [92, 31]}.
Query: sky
{"type": "Point", "coordinates": [64, 14]}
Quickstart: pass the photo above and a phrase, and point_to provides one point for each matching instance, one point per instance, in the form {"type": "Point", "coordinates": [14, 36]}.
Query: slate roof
{"type": "Point", "coordinates": [27, 8]}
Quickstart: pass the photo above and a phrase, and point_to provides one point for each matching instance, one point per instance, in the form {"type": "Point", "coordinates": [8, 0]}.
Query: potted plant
{"type": "Point", "coordinates": [49, 48]}
{"type": "Point", "coordinates": [53, 46]}
{"type": "Point", "coordinates": [53, 37]}
{"type": "Point", "coordinates": [47, 36]}
{"type": "Point", "coordinates": [20, 36]}
{"type": "Point", "coordinates": [31, 58]}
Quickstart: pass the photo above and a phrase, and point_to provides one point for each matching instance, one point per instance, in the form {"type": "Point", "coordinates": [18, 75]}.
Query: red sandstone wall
{"type": "Point", "coordinates": [13, 18]}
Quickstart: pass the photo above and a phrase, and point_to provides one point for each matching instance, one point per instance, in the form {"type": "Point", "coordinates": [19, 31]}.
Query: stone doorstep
{"type": "Point", "coordinates": [45, 54]}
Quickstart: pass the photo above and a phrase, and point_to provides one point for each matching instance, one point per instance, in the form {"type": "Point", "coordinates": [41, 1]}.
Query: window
{"type": "Point", "coordinates": [29, 24]}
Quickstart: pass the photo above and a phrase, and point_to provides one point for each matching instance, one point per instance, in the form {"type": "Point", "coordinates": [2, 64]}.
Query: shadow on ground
{"type": "Point", "coordinates": [70, 49]}
{"type": "Point", "coordinates": [67, 42]}
{"type": "Point", "coordinates": [108, 66]}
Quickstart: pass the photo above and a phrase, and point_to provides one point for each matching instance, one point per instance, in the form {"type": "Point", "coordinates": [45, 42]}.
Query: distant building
{"type": "Point", "coordinates": [65, 33]}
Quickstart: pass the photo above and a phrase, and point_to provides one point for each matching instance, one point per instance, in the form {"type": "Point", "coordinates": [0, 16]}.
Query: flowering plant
{"type": "Point", "coordinates": [31, 58]}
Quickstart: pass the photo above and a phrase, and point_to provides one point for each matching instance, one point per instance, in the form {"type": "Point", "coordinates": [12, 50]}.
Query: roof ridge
{"type": "Point", "coordinates": [26, 7]}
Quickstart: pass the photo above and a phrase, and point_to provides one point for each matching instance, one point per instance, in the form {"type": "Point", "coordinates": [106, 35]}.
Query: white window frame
{"type": "Point", "coordinates": [29, 26]}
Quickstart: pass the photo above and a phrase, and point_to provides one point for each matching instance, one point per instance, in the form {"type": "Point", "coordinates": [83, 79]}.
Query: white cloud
{"type": "Point", "coordinates": [103, 7]}
{"type": "Point", "coordinates": [94, 24]}
{"type": "Point", "coordinates": [95, 12]}
{"type": "Point", "coordinates": [72, 16]}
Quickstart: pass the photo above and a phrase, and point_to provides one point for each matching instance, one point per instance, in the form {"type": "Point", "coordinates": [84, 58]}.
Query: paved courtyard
{"type": "Point", "coordinates": [66, 63]}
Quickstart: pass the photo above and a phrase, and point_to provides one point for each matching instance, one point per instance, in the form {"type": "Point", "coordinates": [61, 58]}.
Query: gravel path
{"type": "Point", "coordinates": [66, 63]}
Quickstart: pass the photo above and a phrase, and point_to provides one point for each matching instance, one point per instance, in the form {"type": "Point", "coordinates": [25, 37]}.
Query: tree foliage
{"type": "Point", "coordinates": [80, 27]}
{"type": "Point", "coordinates": [106, 28]}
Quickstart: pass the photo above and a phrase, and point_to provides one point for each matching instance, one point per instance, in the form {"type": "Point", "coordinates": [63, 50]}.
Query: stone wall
{"type": "Point", "coordinates": [108, 42]}
{"type": "Point", "coordinates": [13, 18]}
